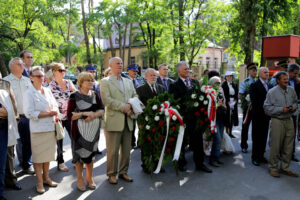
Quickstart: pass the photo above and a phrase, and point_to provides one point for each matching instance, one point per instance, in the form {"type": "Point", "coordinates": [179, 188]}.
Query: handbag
{"type": "Point", "coordinates": [59, 130]}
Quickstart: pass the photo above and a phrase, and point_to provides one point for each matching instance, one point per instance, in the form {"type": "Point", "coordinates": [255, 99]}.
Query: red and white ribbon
{"type": "Point", "coordinates": [169, 112]}
{"type": "Point", "coordinates": [211, 110]}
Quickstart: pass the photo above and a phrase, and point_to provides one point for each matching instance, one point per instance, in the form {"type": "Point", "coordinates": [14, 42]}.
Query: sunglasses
{"type": "Point", "coordinates": [38, 76]}
{"type": "Point", "coordinates": [61, 70]}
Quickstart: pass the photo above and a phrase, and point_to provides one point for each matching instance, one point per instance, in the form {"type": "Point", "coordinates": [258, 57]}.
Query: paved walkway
{"type": "Point", "coordinates": [238, 179]}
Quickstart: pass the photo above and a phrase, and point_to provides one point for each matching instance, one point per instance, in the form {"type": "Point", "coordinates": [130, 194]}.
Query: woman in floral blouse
{"type": "Point", "coordinates": [61, 90]}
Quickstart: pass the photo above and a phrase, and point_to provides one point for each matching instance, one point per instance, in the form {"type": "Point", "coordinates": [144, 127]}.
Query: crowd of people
{"type": "Point", "coordinates": [32, 108]}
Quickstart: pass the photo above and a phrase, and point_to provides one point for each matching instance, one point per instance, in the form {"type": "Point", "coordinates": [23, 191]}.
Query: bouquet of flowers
{"type": "Point", "coordinates": [196, 104]}
{"type": "Point", "coordinates": [152, 125]}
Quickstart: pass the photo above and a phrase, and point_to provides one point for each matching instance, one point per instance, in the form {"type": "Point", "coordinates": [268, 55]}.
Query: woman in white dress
{"type": "Point", "coordinates": [41, 108]}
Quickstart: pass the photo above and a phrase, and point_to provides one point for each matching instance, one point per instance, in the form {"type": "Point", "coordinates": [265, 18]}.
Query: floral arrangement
{"type": "Point", "coordinates": [152, 131]}
{"type": "Point", "coordinates": [196, 104]}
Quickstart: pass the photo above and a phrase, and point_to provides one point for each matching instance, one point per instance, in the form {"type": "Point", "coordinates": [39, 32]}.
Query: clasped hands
{"type": "Point", "coordinates": [288, 109]}
{"type": "Point", "coordinates": [127, 109]}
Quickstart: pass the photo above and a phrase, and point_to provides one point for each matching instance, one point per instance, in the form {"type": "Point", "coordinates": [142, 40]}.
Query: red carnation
{"type": "Point", "coordinates": [210, 87]}
{"type": "Point", "coordinates": [205, 113]}
{"type": "Point", "coordinates": [149, 138]}
{"type": "Point", "coordinates": [169, 150]}
{"type": "Point", "coordinates": [212, 92]}
{"type": "Point", "coordinates": [202, 109]}
{"type": "Point", "coordinates": [196, 114]}
{"type": "Point", "coordinates": [171, 139]}
{"type": "Point", "coordinates": [153, 130]}
{"type": "Point", "coordinates": [173, 128]}
{"type": "Point", "coordinates": [56, 119]}
{"type": "Point", "coordinates": [161, 138]}
{"type": "Point", "coordinates": [160, 123]}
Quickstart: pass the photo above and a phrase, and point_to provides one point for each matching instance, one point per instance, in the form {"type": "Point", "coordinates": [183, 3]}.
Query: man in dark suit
{"type": "Point", "coordinates": [132, 72]}
{"type": "Point", "coordinates": [150, 89]}
{"type": "Point", "coordinates": [163, 76]}
{"type": "Point", "coordinates": [147, 91]}
{"type": "Point", "coordinates": [260, 121]}
{"type": "Point", "coordinates": [180, 88]}
{"type": "Point", "coordinates": [27, 59]}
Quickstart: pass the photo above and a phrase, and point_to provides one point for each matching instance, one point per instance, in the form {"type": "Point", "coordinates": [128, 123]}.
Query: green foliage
{"type": "Point", "coordinates": [152, 131]}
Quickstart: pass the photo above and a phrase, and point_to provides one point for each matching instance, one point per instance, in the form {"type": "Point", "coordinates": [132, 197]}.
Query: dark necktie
{"type": "Point", "coordinates": [134, 83]}
{"type": "Point", "coordinates": [153, 90]}
{"type": "Point", "coordinates": [187, 84]}
{"type": "Point", "coordinates": [165, 83]}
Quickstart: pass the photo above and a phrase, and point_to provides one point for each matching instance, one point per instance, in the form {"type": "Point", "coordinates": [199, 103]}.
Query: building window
{"type": "Point", "coordinates": [132, 60]}
{"type": "Point", "coordinates": [216, 63]}
{"type": "Point", "coordinates": [207, 62]}
{"type": "Point", "coordinates": [144, 63]}
{"type": "Point", "coordinates": [116, 40]}
{"type": "Point", "coordinates": [200, 61]}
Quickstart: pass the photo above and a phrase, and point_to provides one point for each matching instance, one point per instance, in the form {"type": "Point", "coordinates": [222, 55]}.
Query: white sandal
{"type": "Point", "coordinates": [62, 167]}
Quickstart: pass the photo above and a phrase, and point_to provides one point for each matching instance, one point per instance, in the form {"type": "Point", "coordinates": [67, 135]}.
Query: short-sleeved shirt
{"type": "Point", "coordinates": [62, 97]}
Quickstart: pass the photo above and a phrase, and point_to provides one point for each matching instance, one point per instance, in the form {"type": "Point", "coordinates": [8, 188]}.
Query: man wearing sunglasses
{"type": "Point", "coordinates": [19, 85]}
{"type": "Point", "coordinates": [27, 59]}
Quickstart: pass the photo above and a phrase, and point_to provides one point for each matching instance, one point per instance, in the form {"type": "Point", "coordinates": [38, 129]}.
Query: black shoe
{"type": "Point", "coordinates": [182, 168]}
{"type": "Point", "coordinates": [2, 198]}
{"type": "Point", "coordinates": [295, 159]}
{"type": "Point", "coordinates": [232, 136]}
{"type": "Point", "coordinates": [244, 150]}
{"type": "Point", "coordinates": [220, 162]}
{"type": "Point", "coordinates": [255, 162]}
{"type": "Point", "coordinates": [214, 164]}
{"type": "Point", "coordinates": [204, 168]}
{"type": "Point", "coordinates": [263, 160]}
{"type": "Point", "coordinates": [162, 170]}
{"type": "Point", "coordinates": [15, 187]}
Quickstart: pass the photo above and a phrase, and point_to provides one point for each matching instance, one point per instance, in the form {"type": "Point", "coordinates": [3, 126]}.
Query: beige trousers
{"type": "Point", "coordinates": [118, 142]}
{"type": "Point", "coordinates": [281, 141]}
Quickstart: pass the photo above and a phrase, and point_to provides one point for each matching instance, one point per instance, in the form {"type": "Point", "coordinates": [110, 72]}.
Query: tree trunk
{"type": "Point", "coordinates": [86, 38]}
{"type": "Point", "coordinates": [129, 44]}
{"type": "Point", "coordinates": [124, 42]}
{"type": "Point", "coordinates": [3, 69]}
{"type": "Point", "coordinates": [180, 28]}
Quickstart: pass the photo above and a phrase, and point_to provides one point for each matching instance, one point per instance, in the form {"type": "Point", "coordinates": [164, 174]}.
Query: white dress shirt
{"type": "Point", "coordinates": [34, 103]}
{"type": "Point", "coordinates": [19, 86]}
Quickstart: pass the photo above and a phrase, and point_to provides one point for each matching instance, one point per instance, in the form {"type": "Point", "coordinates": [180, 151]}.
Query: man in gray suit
{"type": "Point", "coordinates": [115, 94]}
{"type": "Point", "coordinates": [163, 79]}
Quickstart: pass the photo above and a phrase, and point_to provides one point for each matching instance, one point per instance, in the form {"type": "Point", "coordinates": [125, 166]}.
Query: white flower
{"type": "Point", "coordinates": [196, 104]}
{"type": "Point", "coordinates": [248, 98]}
{"type": "Point", "coordinates": [193, 96]}
{"type": "Point", "coordinates": [146, 118]}
{"type": "Point", "coordinates": [166, 112]}
{"type": "Point", "coordinates": [201, 98]}
{"type": "Point", "coordinates": [156, 118]}
{"type": "Point", "coordinates": [205, 102]}
{"type": "Point", "coordinates": [154, 107]}
{"type": "Point", "coordinates": [174, 118]}
{"type": "Point", "coordinates": [167, 102]}
{"type": "Point", "coordinates": [147, 127]}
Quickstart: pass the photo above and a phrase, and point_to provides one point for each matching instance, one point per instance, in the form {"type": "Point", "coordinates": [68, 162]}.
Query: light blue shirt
{"type": "Point", "coordinates": [246, 83]}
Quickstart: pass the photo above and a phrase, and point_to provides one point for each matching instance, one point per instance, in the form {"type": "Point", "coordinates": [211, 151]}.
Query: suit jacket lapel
{"type": "Point", "coordinates": [261, 86]}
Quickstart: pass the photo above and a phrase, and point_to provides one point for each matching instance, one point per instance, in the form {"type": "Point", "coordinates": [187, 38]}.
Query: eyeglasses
{"type": "Point", "coordinates": [38, 76]}
{"type": "Point", "coordinates": [61, 70]}
{"type": "Point", "coordinates": [90, 80]}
